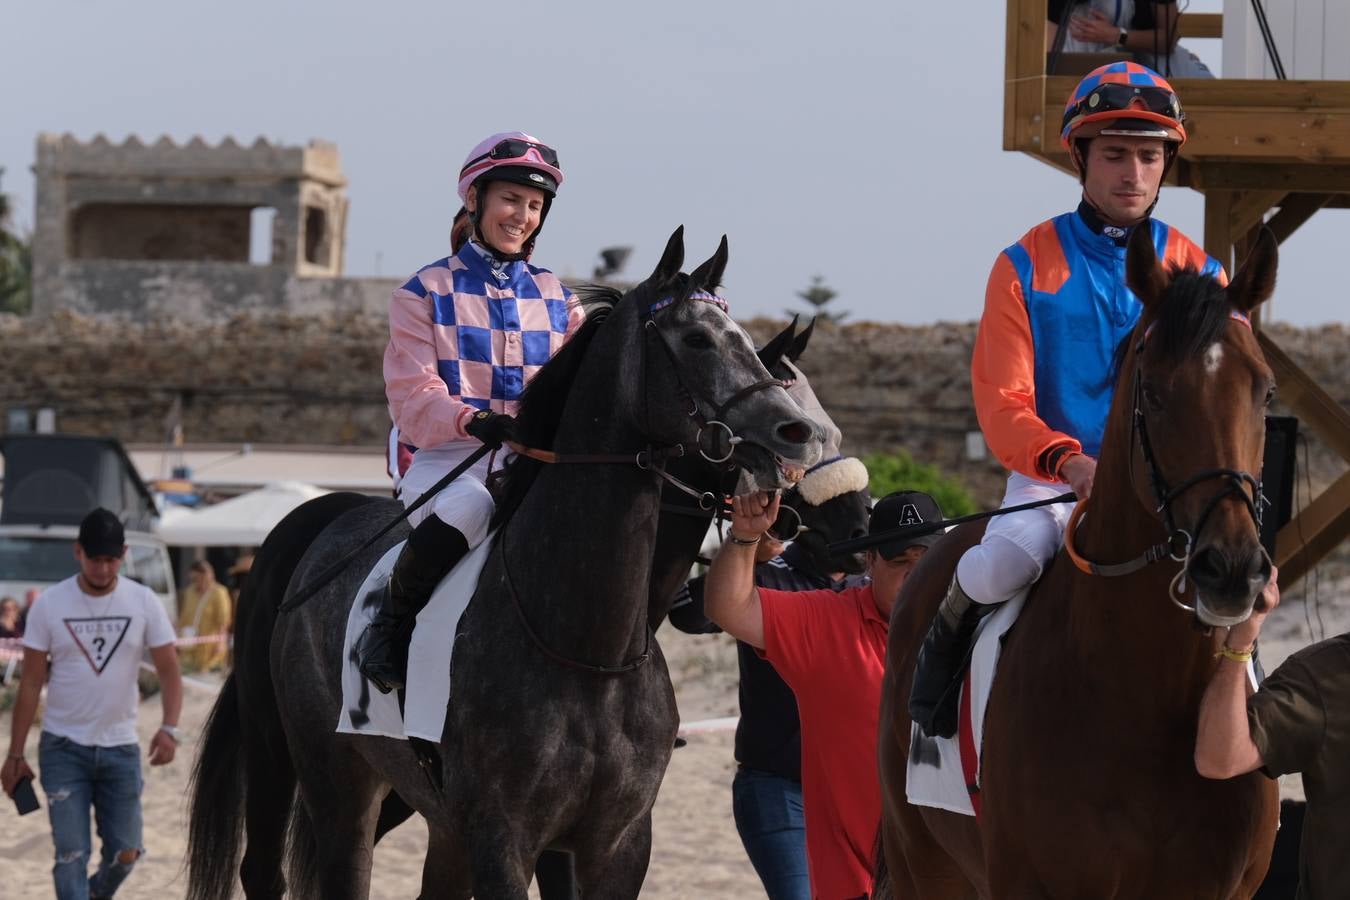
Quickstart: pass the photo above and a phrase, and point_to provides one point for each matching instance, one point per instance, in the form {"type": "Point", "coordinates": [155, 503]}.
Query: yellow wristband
{"type": "Point", "coordinates": [1238, 656]}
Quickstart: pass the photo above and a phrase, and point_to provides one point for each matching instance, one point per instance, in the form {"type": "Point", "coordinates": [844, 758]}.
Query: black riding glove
{"type": "Point", "coordinates": [491, 428]}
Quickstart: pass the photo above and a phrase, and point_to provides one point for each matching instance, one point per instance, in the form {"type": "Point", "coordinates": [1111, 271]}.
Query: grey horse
{"type": "Point", "coordinates": [562, 716]}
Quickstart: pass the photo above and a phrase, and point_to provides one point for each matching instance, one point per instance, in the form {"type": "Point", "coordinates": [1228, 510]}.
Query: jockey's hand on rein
{"type": "Point", "coordinates": [490, 427]}
{"type": "Point", "coordinates": [1079, 470]}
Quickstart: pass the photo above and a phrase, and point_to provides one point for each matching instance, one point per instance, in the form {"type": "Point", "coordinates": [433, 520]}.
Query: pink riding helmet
{"type": "Point", "coordinates": [524, 155]}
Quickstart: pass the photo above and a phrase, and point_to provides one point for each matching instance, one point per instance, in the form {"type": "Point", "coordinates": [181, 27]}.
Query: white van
{"type": "Point", "coordinates": [38, 556]}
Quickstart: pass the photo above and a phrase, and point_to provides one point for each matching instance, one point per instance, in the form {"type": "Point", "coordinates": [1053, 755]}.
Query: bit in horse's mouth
{"type": "Point", "coordinates": [1212, 619]}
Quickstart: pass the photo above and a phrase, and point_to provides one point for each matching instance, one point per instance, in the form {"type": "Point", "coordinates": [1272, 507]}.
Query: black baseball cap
{"type": "Point", "coordinates": [101, 534]}
{"type": "Point", "coordinates": [899, 509]}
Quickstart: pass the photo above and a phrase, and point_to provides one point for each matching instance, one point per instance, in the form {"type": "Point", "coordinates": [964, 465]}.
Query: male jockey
{"type": "Point", "coordinates": [1056, 308]}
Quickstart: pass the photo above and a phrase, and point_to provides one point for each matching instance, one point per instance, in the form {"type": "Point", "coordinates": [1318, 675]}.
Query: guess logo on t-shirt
{"type": "Point", "coordinates": [98, 638]}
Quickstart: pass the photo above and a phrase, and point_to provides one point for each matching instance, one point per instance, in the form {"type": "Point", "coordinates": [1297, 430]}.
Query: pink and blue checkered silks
{"type": "Point", "coordinates": [463, 339]}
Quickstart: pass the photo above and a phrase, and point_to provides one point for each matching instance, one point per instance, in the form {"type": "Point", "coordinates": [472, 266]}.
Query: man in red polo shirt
{"type": "Point", "coordinates": [830, 647]}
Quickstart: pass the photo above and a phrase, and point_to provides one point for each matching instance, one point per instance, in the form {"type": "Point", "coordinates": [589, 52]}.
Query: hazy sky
{"type": "Point", "coordinates": [855, 140]}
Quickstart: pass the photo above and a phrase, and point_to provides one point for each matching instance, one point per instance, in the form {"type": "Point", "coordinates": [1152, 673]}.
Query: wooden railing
{"type": "Point", "coordinates": [1201, 25]}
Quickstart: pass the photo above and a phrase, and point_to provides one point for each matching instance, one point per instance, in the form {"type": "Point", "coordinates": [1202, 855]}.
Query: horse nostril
{"type": "Point", "coordinates": [795, 432]}
{"type": "Point", "coordinates": [1258, 567]}
{"type": "Point", "coordinates": [1207, 567]}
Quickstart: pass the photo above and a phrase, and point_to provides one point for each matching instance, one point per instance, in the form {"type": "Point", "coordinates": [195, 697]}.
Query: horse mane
{"type": "Point", "coordinates": [1193, 314]}
{"type": "Point", "coordinates": [543, 400]}
{"type": "Point", "coordinates": [545, 397]}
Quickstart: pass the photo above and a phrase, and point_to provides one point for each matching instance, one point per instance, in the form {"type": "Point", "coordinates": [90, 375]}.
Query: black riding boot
{"type": "Point", "coordinates": [942, 659]}
{"type": "Point", "coordinates": [432, 550]}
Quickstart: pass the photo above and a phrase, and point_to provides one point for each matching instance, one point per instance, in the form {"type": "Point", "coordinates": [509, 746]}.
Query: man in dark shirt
{"type": "Point", "coordinates": [1299, 721]}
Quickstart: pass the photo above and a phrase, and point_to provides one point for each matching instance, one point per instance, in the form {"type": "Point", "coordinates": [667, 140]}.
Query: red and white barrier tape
{"type": "Point", "coordinates": [709, 726]}
{"type": "Point", "coordinates": [12, 648]}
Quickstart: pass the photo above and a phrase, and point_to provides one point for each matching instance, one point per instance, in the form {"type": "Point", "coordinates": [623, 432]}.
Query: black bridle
{"type": "Point", "coordinates": [653, 459]}
{"type": "Point", "coordinates": [1179, 542]}
{"type": "Point", "coordinates": [715, 440]}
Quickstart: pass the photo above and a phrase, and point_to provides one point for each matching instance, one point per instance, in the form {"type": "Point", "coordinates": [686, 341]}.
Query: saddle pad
{"type": "Point", "coordinates": [364, 709]}
{"type": "Point", "coordinates": [934, 775]}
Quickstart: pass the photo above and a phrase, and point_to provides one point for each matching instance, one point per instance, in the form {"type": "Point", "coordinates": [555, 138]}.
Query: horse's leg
{"type": "Point", "coordinates": [501, 867]}
{"type": "Point", "coordinates": [933, 872]}
{"type": "Point", "coordinates": [267, 810]}
{"type": "Point", "coordinates": [555, 876]}
{"type": "Point", "coordinates": [341, 824]}
{"type": "Point", "coordinates": [445, 872]}
{"type": "Point", "coordinates": [617, 873]}
{"type": "Point", "coordinates": [332, 841]}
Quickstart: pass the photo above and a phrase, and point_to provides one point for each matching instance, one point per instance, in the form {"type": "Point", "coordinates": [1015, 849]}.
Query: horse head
{"type": "Point", "coordinates": [702, 385]}
{"type": "Point", "coordinates": [831, 504]}
{"type": "Point", "coordinates": [1199, 387]}
{"type": "Point", "coordinates": [780, 357]}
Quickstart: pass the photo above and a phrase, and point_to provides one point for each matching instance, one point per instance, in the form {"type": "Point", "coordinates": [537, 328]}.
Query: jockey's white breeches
{"type": "Point", "coordinates": [1016, 546]}
{"type": "Point", "coordinates": [465, 502]}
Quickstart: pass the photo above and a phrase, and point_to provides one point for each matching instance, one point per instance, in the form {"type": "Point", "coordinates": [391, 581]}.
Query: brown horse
{"type": "Point", "coordinates": [1088, 788]}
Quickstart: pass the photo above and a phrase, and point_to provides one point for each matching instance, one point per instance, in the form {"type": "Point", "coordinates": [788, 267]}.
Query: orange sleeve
{"type": "Point", "coordinates": [1182, 252]}
{"type": "Point", "coordinates": [1003, 379]}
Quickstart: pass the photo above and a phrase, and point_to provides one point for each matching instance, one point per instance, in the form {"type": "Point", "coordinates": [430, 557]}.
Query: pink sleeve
{"type": "Point", "coordinates": [419, 400]}
{"type": "Point", "coordinates": [576, 316]}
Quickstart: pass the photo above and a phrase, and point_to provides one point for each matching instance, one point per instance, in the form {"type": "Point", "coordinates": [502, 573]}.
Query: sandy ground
{"type": "Point", "coordinates": [696, 851]}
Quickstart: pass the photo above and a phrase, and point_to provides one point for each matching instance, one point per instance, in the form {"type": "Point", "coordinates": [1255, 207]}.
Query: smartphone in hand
{"type": "Point", "coordinates": [25, 798]}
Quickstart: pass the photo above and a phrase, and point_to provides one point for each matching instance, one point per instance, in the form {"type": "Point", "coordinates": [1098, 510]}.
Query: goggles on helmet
{"type": "Point", "coordinates": [512, 148]}
{"type": "Point", "coordinates": [1114, 97]}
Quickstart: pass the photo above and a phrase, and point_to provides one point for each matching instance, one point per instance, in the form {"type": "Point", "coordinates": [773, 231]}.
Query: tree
{"type": "Point", "coordinates": [16, 264]}
{"type": "Point", "coordinates": [817, 295]}
{"type": "Point", "coordinates": [899, 472]}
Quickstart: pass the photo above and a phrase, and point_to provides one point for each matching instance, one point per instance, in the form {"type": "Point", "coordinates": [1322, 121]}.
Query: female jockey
{"type": "Point", "coordinates": [1056, 308]}
{"type": "Point", "coordinates": [465, 335]}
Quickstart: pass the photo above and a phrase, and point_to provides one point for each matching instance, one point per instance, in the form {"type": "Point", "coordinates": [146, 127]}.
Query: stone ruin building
{"type": "Point", "coordinates": [164, 230]}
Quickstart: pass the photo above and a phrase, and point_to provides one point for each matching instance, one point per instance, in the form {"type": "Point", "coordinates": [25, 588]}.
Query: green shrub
{"type": "Point", "coordinates": [899, 472]}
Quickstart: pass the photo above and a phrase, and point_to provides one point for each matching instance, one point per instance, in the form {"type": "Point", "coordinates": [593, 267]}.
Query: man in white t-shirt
{"type": "Point", "coordinates": [94, 628]}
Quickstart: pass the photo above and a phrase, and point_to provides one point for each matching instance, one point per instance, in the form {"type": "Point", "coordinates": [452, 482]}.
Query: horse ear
{"type": "Point", "coordinates": [1143, 274]}
{"type": "Point", "coordinates": [798, 347]}
{"type": "Point", "coordinates": [671, 259]}
{"type": "Point", "coordinates": [772, 352]}
{"type": "Point", "coordinates": [709, 275]}
{"type": "Point", "coordinates": [1255, 279]}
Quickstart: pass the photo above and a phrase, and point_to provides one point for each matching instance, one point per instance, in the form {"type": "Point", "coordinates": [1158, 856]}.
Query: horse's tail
{"type": "Point", "coordinates": [302, 854]}
{"type": "Point", "coordinates": [244, 777]}
{"type": "Point", "coordinates": [215, 826]}
{"type": "Point", "coordinates": [881, 875]}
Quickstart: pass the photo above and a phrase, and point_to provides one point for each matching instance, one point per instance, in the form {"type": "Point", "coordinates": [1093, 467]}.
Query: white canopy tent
{"type": "Point", "coordinates": [242, 521]}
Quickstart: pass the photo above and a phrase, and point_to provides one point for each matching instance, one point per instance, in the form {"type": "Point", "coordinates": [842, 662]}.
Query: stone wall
{"type": "Point", "coordinates": [316, 379]}
{"type": "Point", "coordinates": [209, 294]}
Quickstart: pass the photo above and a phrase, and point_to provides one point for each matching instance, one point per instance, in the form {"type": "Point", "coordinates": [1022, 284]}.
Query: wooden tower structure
{"type": "Point", "coordinates": [1261, 152]}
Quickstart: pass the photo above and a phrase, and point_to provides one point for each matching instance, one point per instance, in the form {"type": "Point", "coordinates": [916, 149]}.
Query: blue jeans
{"type": "Point", "coordinates": [74, 778]}
{"type": "Point", "coordinates": [772, 826]}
